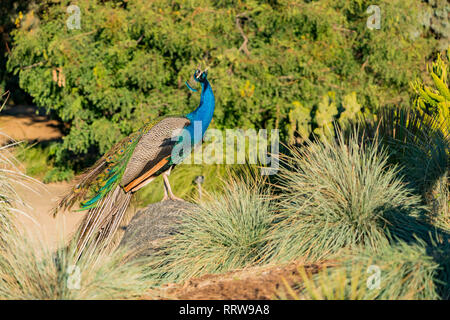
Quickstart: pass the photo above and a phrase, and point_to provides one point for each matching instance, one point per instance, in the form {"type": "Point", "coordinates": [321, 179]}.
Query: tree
{"type": "Point", "coordinates": [129, 61]}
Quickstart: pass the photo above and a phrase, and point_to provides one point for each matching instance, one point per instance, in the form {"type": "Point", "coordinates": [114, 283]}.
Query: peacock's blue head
{"type": "Point", "coordinates": [200, 76]}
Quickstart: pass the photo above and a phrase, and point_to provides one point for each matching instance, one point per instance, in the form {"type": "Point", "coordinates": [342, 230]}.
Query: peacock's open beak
{"type": "Point", "coordinates": [199, 73]}
{"type": "Point", "coordinates": [197, 76]}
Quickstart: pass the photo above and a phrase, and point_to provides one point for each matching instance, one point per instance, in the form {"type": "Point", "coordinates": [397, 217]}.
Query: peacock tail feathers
{"type": "Point", "coordinates": [98, 228]}
{"type": "Point", "coordinates": [115, 163]}
{"type": "Point", "coordinates": [97, 181]}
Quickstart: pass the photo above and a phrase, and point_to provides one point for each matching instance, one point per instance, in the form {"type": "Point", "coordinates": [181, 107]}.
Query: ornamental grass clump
{"type": "Point", "coordinates": [399, 272]}
{"type": "Point", "coordinates": [226, 232]}
{"type": "Point", "coordinates": [338, 194]}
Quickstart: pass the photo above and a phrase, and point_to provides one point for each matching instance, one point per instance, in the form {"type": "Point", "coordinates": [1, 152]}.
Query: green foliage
{"type": "Point", "coordinates": [129, 60]}
{"type": "Point", "coordinates": [12, 13]}
{"type": "Point", "coordinates": [223, 234]}
{"type": "Point", "coordinates": [213, 182]}
{"type": "Point", "coordinates": [436, 100]}
{"type": "Point", "coordinates": [321, 120]}
{"type": "Point", "coordinates": [324, 115]}
{"type": "Point", "coordinates": [38, 163]}
{"type": "Point", "coordinates": [58, 174]}
{"type": "Point", "coordinates": [299, 123]}
{"type": "Point", "coordinates": [351, 108]}
{"type": "Point", "coordinates": [34, 158]}
{"type": "Point", "coordinates": [437, 18]}
{"type": "Point", "coordinates": [341, 194]}
{"type": "Point", "coordinates": [407, 272]}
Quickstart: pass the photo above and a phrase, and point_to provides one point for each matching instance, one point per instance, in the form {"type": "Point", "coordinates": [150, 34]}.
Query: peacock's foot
{"type": "Point", "coordinates": [173, 198]}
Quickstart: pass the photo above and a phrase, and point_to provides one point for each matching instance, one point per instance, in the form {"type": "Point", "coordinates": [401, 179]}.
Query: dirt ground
{"type": "Point", "coordinates": [256, 283]}
{"type": "Point", "coordinates": [38, 221]}
{"type": "Point", "coordinates": [22, 123]}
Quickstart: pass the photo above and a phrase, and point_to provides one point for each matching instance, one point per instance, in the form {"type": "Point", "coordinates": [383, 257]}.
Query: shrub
{"type": "Point", "coordinates": [336, 194]}
{"type": "Point", "coordinates": [435, 100]}
{"type": "Point", "coordinates": [11, 12]}
{"type": "Point", "coordinates": [433, 153]}
{"type": "Point", "coordinates": [223, 234]}
{"type": "Point", "coordinates": [33, 271]}
{"type": "Point", "coordinates": [419, 143]}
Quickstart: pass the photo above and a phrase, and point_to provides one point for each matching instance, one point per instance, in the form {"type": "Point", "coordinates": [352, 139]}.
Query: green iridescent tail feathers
{"type": "Point", "coordinates": [96, 182]}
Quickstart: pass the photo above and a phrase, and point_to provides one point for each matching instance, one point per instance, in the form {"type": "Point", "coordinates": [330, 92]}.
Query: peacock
{"type": "Point", "coordinates": [106, 188]}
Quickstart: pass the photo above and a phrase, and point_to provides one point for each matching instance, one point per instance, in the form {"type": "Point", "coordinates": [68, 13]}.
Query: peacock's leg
{"type": "Point", "coordinates": [168, 194]}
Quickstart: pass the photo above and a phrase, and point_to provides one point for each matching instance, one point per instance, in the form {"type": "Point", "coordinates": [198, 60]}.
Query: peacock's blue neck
{"type": "Point", "coordinates": [202, 116]}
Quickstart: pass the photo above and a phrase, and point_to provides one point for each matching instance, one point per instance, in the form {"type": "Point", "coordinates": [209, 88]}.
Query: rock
{"type": "Point", "coordinates": [146, 231]}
